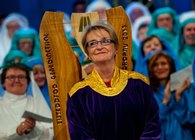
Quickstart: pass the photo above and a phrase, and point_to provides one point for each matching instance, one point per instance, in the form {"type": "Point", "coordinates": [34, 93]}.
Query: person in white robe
{"type": "Point", "coordinates": [21, 94]}
{"type": "Point", "coordinates": [12, 23]}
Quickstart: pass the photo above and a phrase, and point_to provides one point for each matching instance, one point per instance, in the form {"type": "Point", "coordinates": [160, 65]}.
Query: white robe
{"type": "Point", "coordinates": [5, 40]}
{"type": "Point", "coordinates": [12, 108]}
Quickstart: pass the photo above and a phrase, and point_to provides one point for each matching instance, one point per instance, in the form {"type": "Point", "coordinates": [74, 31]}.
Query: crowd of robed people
{"type": "Point", "coordinates": [163, 42]}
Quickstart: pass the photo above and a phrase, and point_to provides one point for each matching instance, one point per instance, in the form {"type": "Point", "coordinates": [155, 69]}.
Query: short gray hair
{"type": "Point", "coordinates": [97, 26]}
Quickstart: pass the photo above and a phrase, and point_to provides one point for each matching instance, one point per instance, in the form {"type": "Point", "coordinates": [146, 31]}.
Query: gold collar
{"type": "Point", "coordinates": [118, 82]}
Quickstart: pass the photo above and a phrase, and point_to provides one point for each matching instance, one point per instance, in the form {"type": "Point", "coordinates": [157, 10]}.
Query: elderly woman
{"type": "Point", "coordinates": [16, 99]}
{"type": "Point", "coordinates": [99, 6]}
{"type": "Point", "coordinates": [165, 18]}
{"type": "Point", "coordinates": [135, 10]}
{"type": "Point", "coordinates": [10, 25]}
{"type": "Point", "coordinates": [26, 40]}
{"type": "Point", "coordinates": [110, 103]}
{"type": "Point", "coordinates": [184, 43]}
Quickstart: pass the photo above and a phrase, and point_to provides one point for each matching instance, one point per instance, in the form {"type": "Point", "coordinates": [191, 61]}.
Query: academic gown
{"type": "Point", "coordinates": [124, 111]}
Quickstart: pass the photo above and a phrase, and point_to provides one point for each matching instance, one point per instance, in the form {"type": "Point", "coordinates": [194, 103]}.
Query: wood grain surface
{"type": "Point", "coordinates": [61, 66]}
{"type": "Point", "coordinates": [119, 20]}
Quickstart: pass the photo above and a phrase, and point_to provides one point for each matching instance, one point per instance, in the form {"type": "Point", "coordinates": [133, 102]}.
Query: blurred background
{"type": "Point", "coordinates": [34, 9]}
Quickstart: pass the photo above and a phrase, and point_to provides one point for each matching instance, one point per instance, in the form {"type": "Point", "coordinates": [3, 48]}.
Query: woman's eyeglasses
{"type": "Point", "coordinates": [13, 77]}
{"type": "Point", "coordinates": [103, 42]}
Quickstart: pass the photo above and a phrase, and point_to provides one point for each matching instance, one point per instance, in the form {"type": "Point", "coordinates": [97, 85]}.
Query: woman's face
{"type": "Point", "coordinates": [16, 81]}
{"type": "Point", "coordinates": [161, 68]}
{"type": "Point", "coordinates": [103, 51]}
{"type": "Point", "coordinates": [152, 45]}
{"type": "Point", "coordinates": [12, 27]}
{"type": "Point", "coordinates": [26, 45]}
{"type": "Point", "coordinates": [189, 34]}
{"type": "Point", "coordinates": [39, 75]}
{"type": "Point", "coordinates": [135, 14]}
{"type": "Point", "coordinates": [165, 21]}
{"type": "Point", "coordinates": [102, 13]}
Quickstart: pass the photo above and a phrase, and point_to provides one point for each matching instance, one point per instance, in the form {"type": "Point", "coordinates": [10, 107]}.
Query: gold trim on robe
{"type": "Point", "coordinates": [118, 82]}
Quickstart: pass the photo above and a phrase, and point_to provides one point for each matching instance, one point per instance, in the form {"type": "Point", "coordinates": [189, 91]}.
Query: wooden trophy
{"type": "Point", "coordinates": [61, 64]}
{"type": "Point", "coordinates": [62, 69]}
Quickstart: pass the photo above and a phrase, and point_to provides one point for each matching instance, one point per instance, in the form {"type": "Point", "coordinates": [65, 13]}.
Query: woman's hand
{"type": "Point", "coordinates": [26, 126]}
{"type": "Point", "coordinates": [180, 90]}
{"type": "Point", "coordinates": [167, 93]}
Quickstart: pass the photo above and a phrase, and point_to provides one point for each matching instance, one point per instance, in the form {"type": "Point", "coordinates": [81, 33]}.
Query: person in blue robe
{"type": "Point", "coordinates": [175, 115]}
{"type": "Point", "coordinates": [152, 43]}
{"type": "Point", "coordinates": [185, 42]}
{"type": "Point", "coordinates": [14, 56]}
{"type": "Point", "coordinates": [26, 40]}
{"type": "Point", "coordinates": [37, 66]}
{"type": "Point", "coordinates": [110, 103]}
{"type": "Point", "coordinates": [193, 72]}
{"type": "Point", "coordinates": [166, 18]}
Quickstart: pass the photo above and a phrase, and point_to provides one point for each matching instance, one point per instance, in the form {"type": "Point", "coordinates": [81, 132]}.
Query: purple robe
{"type": "Point", "coordinates": [125, 111]}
